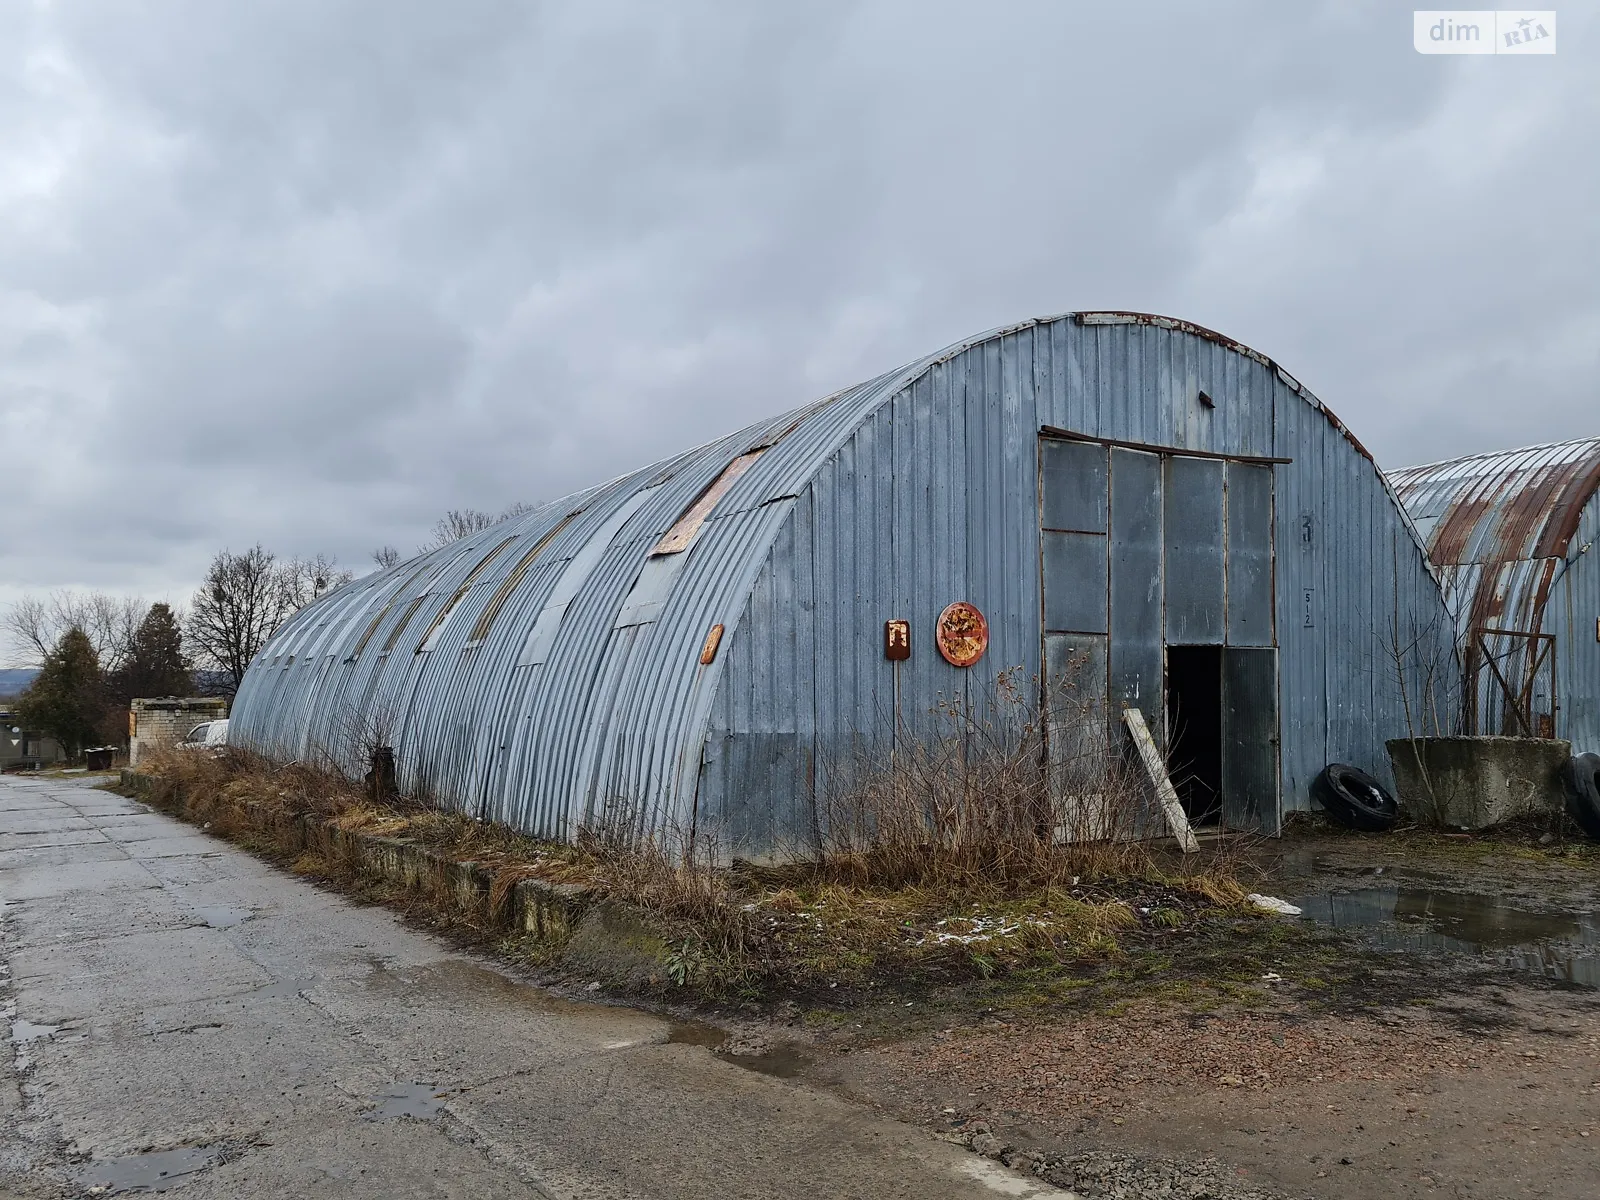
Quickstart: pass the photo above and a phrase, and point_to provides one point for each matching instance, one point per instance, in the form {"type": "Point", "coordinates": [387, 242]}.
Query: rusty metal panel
{"type": "Point", "coordinates": [1508, 533]}
{"type": "Point", "coordinates": [1493, 510]}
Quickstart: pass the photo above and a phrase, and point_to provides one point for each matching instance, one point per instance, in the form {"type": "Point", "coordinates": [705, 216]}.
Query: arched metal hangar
{"type": "Point", "coordinates": [1513, 537]}
{"type": "Point", "coordinates": [692, 645]}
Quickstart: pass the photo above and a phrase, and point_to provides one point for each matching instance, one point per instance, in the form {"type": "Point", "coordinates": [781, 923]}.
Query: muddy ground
{"type": "Point", "coordinates": [1440, 1050]}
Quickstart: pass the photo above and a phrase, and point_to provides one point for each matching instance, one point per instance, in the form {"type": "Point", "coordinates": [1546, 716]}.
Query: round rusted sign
{"type": "Point", "coordinates": [962, 634]}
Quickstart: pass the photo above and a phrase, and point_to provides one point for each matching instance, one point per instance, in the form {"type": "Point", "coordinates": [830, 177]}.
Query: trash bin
{"type": "Point", "coordinates": [99, 758]}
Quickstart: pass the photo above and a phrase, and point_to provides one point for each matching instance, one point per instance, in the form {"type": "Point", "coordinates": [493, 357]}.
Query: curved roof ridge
{"type": "Point", "coordinates": [1506, 506]}
{"type": "Point", "coordinates": [1578, 446]}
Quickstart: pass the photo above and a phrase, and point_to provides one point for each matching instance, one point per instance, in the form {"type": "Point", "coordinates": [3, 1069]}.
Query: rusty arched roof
{"type": "Point", "coordinates": [1499, 526]}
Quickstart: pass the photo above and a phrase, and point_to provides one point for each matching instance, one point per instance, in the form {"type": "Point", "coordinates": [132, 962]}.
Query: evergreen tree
{"type": "Point", "coordinates": [67, 701]}
{"type": "Point", "coordinates": [155, 665]}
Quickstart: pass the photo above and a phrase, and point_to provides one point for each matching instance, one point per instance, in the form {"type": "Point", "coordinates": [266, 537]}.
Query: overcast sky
{"type": "Point", "coordinates": [311, 272]}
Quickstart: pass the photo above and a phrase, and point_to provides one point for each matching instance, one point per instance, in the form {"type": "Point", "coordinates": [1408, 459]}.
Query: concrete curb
{"type": "Point", "coordinates": [548, 911]}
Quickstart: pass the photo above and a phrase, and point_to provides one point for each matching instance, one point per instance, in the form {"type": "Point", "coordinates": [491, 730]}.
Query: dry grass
{"type": "Point", "coordinates": [966, 855]}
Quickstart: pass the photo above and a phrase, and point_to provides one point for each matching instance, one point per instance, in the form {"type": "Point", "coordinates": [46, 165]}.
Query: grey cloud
{"type": "Point", "coordinates": [311, 273]}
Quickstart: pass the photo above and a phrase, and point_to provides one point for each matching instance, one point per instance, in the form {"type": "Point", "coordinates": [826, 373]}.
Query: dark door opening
{"type": "Point", "coordinates": [1194, 730]}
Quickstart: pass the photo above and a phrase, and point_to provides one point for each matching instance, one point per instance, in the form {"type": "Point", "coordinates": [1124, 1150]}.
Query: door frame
{"type": "Point", "coordinates": [1048, 433]}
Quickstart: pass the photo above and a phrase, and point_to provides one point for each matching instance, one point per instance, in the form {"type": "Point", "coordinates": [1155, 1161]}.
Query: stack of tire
{"type": "Point", "coordinates": [1580, 780]}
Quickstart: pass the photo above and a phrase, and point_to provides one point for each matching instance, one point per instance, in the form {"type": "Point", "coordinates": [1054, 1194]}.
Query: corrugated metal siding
{"type": "Point", "coordinates": [1573, 616]}
{"type": "Point", "coordinates": [890, 499]}
{"type": "Point", "coordinates": [1508, 534]}
{"type": "Point", "coordinates": [1497, 524]}
{"type": "Point", "coordinates": [960, 523]}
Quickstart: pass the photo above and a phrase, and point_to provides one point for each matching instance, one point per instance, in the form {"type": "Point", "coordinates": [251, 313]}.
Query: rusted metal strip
{"type": "Point", "coordinates": [1068, 435]}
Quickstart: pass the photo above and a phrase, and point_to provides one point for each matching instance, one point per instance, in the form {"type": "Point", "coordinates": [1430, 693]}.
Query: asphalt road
{"type": "Point", "coordinates": [183, 1015]}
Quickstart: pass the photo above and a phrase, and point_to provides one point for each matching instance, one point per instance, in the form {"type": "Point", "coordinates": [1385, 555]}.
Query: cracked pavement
{"type": "Point", "coordinates": [186, 1016]}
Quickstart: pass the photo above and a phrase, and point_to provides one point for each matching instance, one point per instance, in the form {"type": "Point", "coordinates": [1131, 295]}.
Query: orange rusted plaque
{"type": "Point", "coordinates": [897, 640]}
{"type": "Point", "coordinates": [708, 652]}
{"type": "Point", "coordinates": [962, 634]}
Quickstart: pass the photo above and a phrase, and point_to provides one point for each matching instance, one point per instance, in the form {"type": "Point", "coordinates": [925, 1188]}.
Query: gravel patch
{"type": "Point", "coordinates": [1102, 1064]}
{"type": "Point", "coordinates": [1107, 1175]}
{"type": "Point", "coordinates": [1112, 1175]}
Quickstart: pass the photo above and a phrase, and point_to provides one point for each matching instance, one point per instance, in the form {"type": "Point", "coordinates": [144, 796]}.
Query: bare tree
{"type": "Point", "coordinates": [464, 522]}
{"type": "Point", "coordinates": [304, 579]}
{"type": "Point", "coordinates": [385, 556]}
{"type": "Point", "coordinates": [245, 597]}
{"type": "Point", "coordinates": [35, 624]}
{"type": "Point", "coordinates": [242, 600]}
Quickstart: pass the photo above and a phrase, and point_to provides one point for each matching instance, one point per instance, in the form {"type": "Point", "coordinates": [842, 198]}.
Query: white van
{"type": "Point", "coordinates": [207, 735]}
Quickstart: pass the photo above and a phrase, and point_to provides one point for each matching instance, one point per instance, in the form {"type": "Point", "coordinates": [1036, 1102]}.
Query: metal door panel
{"type": "Point", "coordinates": [1072, 485]}
{"type": "Point", "coordinates": [1075, 581]}
{"type": "Point", "coordinates": [1249, 555]}
{"type": "Point", "coordinates": [1250, 739]}
{"type": "Point", "coordinates": [1075, 685]}
{"type": "Point", "coordinates": [1193, 536]}
{"type": "Point", "coordinates": [1136, 676]}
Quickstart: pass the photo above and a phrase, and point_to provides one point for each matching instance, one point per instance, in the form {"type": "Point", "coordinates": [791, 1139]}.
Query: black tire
{"type": "Point", "coordinates": [1355, 799]}
{"type": "Point", "coordinates": [1580, 780]}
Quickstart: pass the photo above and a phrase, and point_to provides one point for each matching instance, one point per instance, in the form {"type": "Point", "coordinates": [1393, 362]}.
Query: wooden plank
{"type": "Point", "coordinates": [1157, 770]}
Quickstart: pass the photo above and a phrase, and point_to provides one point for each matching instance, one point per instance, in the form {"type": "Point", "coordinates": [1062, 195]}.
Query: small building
{"type": "Point", "coordinates": [1513, 537]}
{"type": "Point", "coordinates": [1127, 509]}
{"type": "Point", "coordinates": [23, 749]}
{"type": "Point", "coordinates": [165, 720]}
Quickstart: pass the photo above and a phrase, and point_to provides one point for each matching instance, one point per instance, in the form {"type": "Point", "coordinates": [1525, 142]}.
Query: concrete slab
{"type": "Point", "coordinates": [27, 841]}
{"type": "Point", "coordinates": [58, 820]}
{"type": "Point", "coordinates": [204, 1072]}
{"type": "Point", "coordinates": [75, 916]}
{"type": "Point", "coordinates": [96, 869]}
{"type": "Point", "coordinates": [109, 807]}
{"type": "Point", "coordinates": [474, 1023]}
{"type": "Point", "coordinates": [142, 827]}
{"type": "Point", "coordinates": [134, 972]}
{"type": "Point", "coordinates": [356, 1159]}
{"type": "Point", "coordinates": [56, 856]}
{"type": "Point", "coordinates": [171, 847]}
{"type": "Point", "coordinates": [799, 1143]}
{"type": "Point", "coordinates": [280, 1030]}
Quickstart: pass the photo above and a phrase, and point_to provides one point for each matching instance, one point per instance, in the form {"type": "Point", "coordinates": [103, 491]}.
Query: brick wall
{"type": "Point", "coordinates": [161, 722]}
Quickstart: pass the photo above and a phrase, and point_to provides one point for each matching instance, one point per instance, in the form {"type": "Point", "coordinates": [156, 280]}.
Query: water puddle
{"type": "Point", "coordinates": [26, 1031]}
{"type": "Point", "coordinates": [468, 983]}
{"type": "Point", "coordinates": [781, 1062]}
{"type": "Point", "coordinates": [154, 1172]}
{"type": "Point", "coordinates": [1563, 946]}
{"type": "Point", "coordinates": [223, 918]}
{"type": "Point", "coordinates": [417, 1100]}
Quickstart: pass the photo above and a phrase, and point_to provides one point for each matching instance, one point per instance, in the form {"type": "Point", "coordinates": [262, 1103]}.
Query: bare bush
{"type": "Point", "coordinates": [1425, 670]}
{"type": "Point", "coordinates": [995, 797]}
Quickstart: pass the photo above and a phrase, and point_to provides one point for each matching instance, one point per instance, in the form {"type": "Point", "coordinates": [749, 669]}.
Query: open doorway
{"type": "Point", "coordinates": [1194, 730]}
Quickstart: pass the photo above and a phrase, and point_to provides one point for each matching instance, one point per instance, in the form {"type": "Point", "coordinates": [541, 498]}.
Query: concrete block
{"type": "Point", "coordinates": [1477, 782]}
{"type": "Point", "coordinates": [549, 911]}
